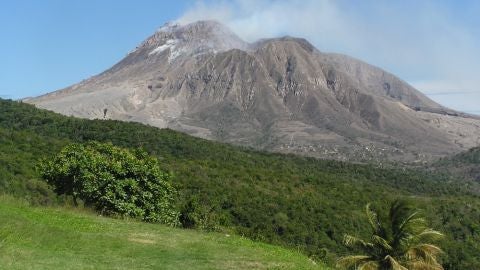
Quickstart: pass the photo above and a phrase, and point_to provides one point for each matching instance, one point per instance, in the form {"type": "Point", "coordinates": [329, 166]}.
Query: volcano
{"type": "Point", "coordinates": [279, 94]}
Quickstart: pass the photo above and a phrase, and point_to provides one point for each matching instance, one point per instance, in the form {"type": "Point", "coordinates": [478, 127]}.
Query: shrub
{"type": "Point", "coordinates": [115, 181]}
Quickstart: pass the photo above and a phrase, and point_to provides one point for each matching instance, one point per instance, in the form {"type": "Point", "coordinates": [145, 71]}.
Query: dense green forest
{"type": "Point", "coordinates": [297, 202]}
{"type": "Point", "coordinates": [465, 165]}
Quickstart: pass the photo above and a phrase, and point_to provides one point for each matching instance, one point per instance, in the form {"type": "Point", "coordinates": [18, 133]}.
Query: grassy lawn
{"type": "Point", "coordinates": [56, 238]}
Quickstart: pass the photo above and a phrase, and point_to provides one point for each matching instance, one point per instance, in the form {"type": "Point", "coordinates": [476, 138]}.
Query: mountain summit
{"type": "Point", "coordinates": [278, 94]}
{"type": "Point", "coordinates": [189, 40]}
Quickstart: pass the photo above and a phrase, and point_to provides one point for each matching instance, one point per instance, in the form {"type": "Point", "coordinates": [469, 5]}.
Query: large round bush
{"type": "Point", "coordinates": [113, 180]}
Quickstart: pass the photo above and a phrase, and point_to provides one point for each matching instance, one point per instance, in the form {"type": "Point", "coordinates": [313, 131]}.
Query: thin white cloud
{"type": "Point", "coordinates": [252, 20]}
{"type": "Point", "coordinates": [420, 41]}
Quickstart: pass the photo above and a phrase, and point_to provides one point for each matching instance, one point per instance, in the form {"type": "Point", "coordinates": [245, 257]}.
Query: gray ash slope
{"type": "Point", "coordinates": [277, 94]}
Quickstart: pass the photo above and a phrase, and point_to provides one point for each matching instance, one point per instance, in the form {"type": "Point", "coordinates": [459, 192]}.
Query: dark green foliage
{"type": "Point", "coordinates": [400, 240]}
{"type": "Point", "coordinates": [194, 214]}
{"type": "Point", "coordinates": [300, 202]}
{"type": "Point", "coordinates": [19, 152]}
{"type": "Point", "coordinates": [113, 180]}
{"type": "Point", "coordinates": [471, 156]}
{"type": "Point", "coordinates": [465, 164]}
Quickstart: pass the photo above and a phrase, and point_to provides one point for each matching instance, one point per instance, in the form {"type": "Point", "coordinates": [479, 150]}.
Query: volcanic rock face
{"type": "Point", "coordinates": [276, 94]}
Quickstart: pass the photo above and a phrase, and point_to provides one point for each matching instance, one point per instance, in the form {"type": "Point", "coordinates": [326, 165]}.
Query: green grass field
{"type": "Point", "coordinates": [59, 238]}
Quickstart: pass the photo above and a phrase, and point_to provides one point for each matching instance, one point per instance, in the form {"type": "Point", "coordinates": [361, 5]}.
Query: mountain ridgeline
{"type": "Point", "coordinates": [280, 94]}
{"type": "Point", "coordinates": [299, 202]}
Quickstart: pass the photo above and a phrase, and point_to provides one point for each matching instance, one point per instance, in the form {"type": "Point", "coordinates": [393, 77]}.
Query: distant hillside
{"type": "Point", "coordinates": [297, 202]}
{"type": "Point", "coordinates": [465, 164]}
{"type": "Point", "coordinates": [56, 238]}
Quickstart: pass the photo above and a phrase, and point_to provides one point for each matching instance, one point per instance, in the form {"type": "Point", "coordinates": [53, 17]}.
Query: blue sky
{"type": "Point", "coordinates": [434, 45]}
{"type": "Point", "coordinates": [50, 44]}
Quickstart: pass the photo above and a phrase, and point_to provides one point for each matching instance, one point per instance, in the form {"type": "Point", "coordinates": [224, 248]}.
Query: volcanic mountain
{"type": "Point", "coordinates": [279, 94]}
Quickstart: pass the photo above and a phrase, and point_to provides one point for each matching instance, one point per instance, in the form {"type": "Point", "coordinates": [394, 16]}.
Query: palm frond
{"type": "Point", "coordinates": [352, 241]}
{"type": "Point", "coordinates": [369, 265]}
{"type": "Point", "coordinates": [382, 243]}
{"type": "Point", "coordinates": [412, 222]}
{"type": "Point", "coordinates": [373, 219]}
{"type": "Point", "coordinates": [394, 264]}
{"type": "Point", "coordinates": [405, 219]}
{"type": "Point", "coordinates": [421, 265]}
{"type": "Point", "coordinates": [424, 254]}
{"type": "Point", "coordinates": [398, 211]}
{"type": "Point", "coordinates": [354, 260]}
{"type": "Point", "coordinates": [428, 248]}
{"type": "Point", "coordinates": [428, 235]}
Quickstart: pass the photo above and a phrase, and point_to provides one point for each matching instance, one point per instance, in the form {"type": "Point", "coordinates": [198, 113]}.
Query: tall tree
{"type": "Point", "coordinates": [403, 242]}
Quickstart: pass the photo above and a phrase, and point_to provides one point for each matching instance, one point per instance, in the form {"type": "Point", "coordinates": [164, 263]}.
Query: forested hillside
{"type": "Point", "coordinates": [464, 165]}
{"type": "Point", "coordinates": [293, 201]}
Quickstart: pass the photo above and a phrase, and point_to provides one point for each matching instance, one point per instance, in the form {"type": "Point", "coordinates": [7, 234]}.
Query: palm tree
{"type": "Point", "coordinates": [404, 242]}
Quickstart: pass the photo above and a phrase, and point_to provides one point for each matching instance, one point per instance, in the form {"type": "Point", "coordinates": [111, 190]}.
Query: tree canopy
{"type": "Point", "coordinates": [114, 180]}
